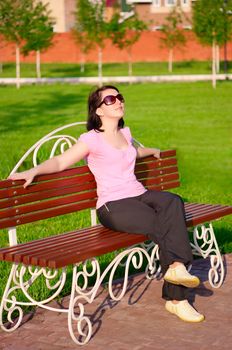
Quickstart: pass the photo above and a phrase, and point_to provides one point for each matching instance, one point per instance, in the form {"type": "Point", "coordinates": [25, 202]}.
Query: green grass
{"type": "Point", "coordinates": [190, 117]}
{"type": "Point", "coordinates": [54, 70]}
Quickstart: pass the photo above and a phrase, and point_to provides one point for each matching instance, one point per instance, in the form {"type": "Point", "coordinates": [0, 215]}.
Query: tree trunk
{"type": "Point", "coordinates": [100, 66]}
{"type": "Point", "coordinates": [130, 68]}
{"type": "Point", "coordinates": [17, 51]}
{"type": "Point", "coordinates": [82, 66]}
{"type": "Point", "coordinates": [214, 78]}
{"type": "Point", "coordinates": [170, 59]}
{"type": "Point", "coordinates": [38, 71]}
{"type": "Point", "coordinates": [217, 59]}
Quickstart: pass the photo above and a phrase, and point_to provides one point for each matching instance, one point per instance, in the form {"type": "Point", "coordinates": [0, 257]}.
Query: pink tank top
{"type": "Point", "coordinates": [112, 168]}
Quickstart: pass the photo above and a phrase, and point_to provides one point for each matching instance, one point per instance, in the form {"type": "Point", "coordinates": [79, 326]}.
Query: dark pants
{"type": "Point", "coordinates": [161, 216]}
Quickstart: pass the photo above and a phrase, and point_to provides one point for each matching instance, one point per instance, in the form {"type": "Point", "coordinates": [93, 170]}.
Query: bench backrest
{"type": "Point", "coordinates": [73, 190]}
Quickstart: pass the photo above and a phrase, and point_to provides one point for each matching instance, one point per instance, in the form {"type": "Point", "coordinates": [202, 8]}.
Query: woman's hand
{"type": "Point", "coordinates": [156, 153]}
{"type": "Point", "coordinates": [27, 175]}
{"type": "Point", "coordinates": [145, 152]}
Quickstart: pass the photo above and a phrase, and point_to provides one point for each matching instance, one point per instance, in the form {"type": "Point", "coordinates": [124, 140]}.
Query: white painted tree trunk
{"type": "Point", "coordinates": [38, 70]}
{"type": "Point", "coordinates": [100, 66]}
{"type": "Point", "coordinates": [82, 64]}
{"type": "Point", "coordinates": [217, 59]}
{"type": "Point", "coordinates": [130, 68]}
{"type": "Point", "coordinates": [170, 60]}
{"type": "Point", "coordinates": [214, 74]}
{"type": "Point", "coordinates": [17, 52]}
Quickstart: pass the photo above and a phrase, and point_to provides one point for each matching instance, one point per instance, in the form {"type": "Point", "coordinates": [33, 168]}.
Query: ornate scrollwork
{"type": "Point", "coordinates": [62, 142]}
{"type": "Point", "coordinates": [205, 245]}
{"type": "Point", "coordinates": [21, 278]}
{"type": "Point", "coordinates": [91, 268]}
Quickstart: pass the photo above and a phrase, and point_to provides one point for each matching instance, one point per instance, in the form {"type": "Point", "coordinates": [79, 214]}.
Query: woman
{"type": "Point", "coordinates": [123, 203]}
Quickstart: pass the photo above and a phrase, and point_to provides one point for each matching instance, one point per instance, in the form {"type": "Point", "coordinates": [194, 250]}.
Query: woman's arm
{"type": "Point", "coordinates": [144, 152]}
{"type": "Point", "coordinates": [55, 164]}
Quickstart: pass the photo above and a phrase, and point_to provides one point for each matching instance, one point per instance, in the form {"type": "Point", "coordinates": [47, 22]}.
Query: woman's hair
{"type": "Point", "coordinates": [94, 121]}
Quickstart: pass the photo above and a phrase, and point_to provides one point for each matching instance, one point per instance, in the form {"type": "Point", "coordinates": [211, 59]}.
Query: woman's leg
{"type": "Point", "coordinates": [155, 214]}
{"type": "Point", "coordinates": [160, 215]}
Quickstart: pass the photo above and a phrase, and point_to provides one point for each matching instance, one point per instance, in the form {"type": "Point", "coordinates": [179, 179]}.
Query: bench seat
{"type": "Point", "coordinates": [76, 246]}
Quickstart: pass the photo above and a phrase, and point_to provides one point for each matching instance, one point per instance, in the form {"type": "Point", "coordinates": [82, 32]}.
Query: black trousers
{"type": "Point", "coordinates": [161, 216]}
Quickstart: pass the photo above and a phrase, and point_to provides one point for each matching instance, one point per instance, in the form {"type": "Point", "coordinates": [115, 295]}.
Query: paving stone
{"type": "Point", "coordinates": [138, 322]}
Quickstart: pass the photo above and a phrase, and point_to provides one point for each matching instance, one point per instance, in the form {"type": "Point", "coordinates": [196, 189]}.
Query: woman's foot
{"type": "Point", "coordinates": [184, 311]}
{"type": "Point", "coordinates": [179, 275]}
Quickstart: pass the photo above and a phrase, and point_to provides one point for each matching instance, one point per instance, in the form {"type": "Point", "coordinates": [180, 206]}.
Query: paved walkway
{"type": "Point", "coordinates": [139, 321]}
{"type": "Point", "coordinates": [118, 79]}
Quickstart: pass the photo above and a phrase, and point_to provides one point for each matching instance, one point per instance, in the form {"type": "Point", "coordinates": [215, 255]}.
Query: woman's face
{"type": "Point", "coordinates": [113, 108]}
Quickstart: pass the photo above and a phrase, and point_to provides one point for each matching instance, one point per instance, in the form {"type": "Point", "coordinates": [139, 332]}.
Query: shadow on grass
{"type": "Point", "coordinates": [22, 116]}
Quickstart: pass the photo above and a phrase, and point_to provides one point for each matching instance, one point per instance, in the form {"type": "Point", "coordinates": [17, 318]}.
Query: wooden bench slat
{"type": "Point", "coordinates": [201, 212]}
{"type": "Point", "coordinates": [108, 247]}
{"type": "Point", "coordinates": [200, 206]}
{"type": "Point", "coordinates": [155, 164]}
{"type": "Point", "coordinates": [68, 172]}
{"type": "Point", "coordinates": [164, 186]}
{"type": "Point", "coordinates": [157, 172]}
{"type": "Point", "coordinates": [72, 249]}
{"type": "Point", "coordinates": [50, 240]}
{"type": "Point", "coordinates": [44, 186]}
{"type": "Point", "coordinates": [66, 209]}
{"type": "Point", "coordinates": [35, 255]}
{"type": "Point", "coordinates": [24, 209]}
{"type": "Point", "coordinates": [207, 217]}
{"type": "Point", "coordinates": [13, 202]}
{"type": "Point", "coordinates": [160, 180]}
{"type": "Point", "coordinates": [163, 154]}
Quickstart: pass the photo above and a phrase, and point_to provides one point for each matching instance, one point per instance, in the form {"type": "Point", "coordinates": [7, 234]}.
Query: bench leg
{"type": "Point", "coordinates": [205, 245]}
{"type": "Point", "coordinates": [20, 279]}
{"type": "Point", "coordinates": [81, 294]}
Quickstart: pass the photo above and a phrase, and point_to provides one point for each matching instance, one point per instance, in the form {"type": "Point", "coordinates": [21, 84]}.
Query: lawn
{"type": "Point", "coordinates": [55, 70]}
{"type": "Point", "coordinates": [190, 117]}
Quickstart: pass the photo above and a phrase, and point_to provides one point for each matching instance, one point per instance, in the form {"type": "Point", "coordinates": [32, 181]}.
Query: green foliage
{"type": "Point", "coordinates": [125, 33]}
{"type": "Point", "coordinates": [14, 18]}
{"type": "Point", "coordinates": [173, 35]}
{"type": "Point", "coordinates": [90, 24]}
{"type": "Point", "coordinates": [212, 21]}
{"type": "Point", "coordinates": [39, 32]}
{"type": "Point", "coordinates": [26, 23]}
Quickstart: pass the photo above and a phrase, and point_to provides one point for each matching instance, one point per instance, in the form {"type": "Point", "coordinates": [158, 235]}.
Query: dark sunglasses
{"type": "Point", "coordinates": [111, 99]}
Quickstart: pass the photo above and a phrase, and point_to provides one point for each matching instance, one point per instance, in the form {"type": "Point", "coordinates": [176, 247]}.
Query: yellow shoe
{"type": "Point", "coordinates": [179, 275]}
{"type": "Point", "coordinates": [184, 311]}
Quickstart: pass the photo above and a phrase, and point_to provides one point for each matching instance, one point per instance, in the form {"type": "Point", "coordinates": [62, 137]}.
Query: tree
{"type": "Point", "coordinates": [80, 34]}
{"type": "Point", "coordinates": [26, 24]}
{"type": "Point", "coordinates": [125, 33]}
{"type": "Point", "coordinates": [173, 34]}
{"type": "Point", "coordinates": [39, 32]}
{"type": "Point", "coordinates": [93, 28]}
{"type": "Point", "coordinates": [212, 23]}
{"type": "Point", "coordinates": [13, 16]}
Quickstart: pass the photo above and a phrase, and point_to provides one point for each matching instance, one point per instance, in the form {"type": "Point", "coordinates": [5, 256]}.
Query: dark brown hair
{"type": "Point", "coordinates": [94, 121]}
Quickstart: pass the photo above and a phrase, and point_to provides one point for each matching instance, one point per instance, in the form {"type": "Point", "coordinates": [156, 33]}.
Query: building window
{"type": "Point", "coordinates": [170, 2]}
{"type": "Point", "coordinates": [156, 3]}
{"type": "Point", "coordinates": [185, 2]}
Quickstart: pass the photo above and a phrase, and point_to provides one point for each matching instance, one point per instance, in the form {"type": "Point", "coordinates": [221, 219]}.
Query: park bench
{"type": "Point", "coordinates": [74, 190]}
